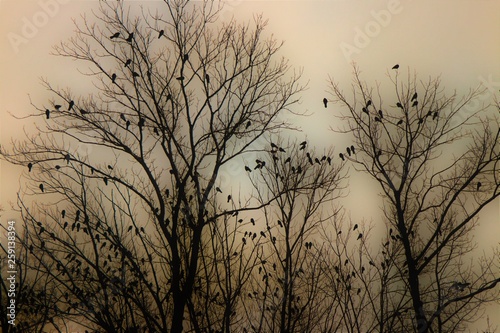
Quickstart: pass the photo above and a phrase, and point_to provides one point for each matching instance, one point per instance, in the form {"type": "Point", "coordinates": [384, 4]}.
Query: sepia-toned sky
{"type": "Point", "coordinates": [456, 39]}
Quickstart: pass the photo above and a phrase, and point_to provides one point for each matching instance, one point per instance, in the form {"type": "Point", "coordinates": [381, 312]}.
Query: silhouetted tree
{"type": "Point", "coordinates": [136, 248]}
{"type": "Point", "coordinates": [431, 199]}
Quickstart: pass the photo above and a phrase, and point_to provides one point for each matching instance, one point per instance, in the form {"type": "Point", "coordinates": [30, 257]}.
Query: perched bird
{"type": "Point", "coordinates": [252, 221]}
{"type": "Point", "coordinates": [207, 77]}
{"type": "Point", "coordinates": [115, 35]}
{"type": "Point", "coordinates": [288, 159]}
{"type": "Point", "coordinates": [329, 160]}
{"type": "Point", "coordinates": [58, 167]}
{"type": "Point", "coordinates": [396, 66]}
{"type": "Point", "coordinates": [247, 169]}
{"type": "Point", "coordinates": [399, 105]}
{"type": "Point", "coordinates": [71, 104]}
{"type": "Point", "coordinates": [218, 189]}
{"type": "Point", "coordinates": [180, 78]}
{"type": "Point", "coordinates": [317, 160]}
{"type": "Point", "coordinates": [113, 77]}
{"type": "Point", "coordinates": [67, 157]}
{"type": "Point", "coordinates": [353, 150]}
{"type": "Point", "coordinates": [128, 62]}
{"type": "Point", "coordinates": [377, 119]}
{"type": "Point", "coordinates": [249, 123]}
{"type": "Point", "coordinates": [110, 167]}
{"type": "Point", "coordinates": [141, 122]}
{"type": "Point", "coordinates": [30, 165]}
{"type": "Point", "coordinates": [83, 112]}
{"type": "Point", "coordinates": [364, 110]}
{"type": "Point", "coordinates": [400, 122]}
{"type": "Point", "coordinates": [63, 213]}
{"type": "Point", "coordinates": [47, 113]}
{"type": "Point", "coordinates": [369, 103]}
{"type": "Point", "coordinates": [229, 198]}
{"type": "Point", "coordinates": [282, 150]}
{"type": "Point", "coordinates": [478, 186]}
{"type": "Point", "coordinates": [380, 114]}
{"type": "Point", "coordinates": [127, 124]}
{"type": "Point", "coordinates": [105, 181]}
{"type": "Point", "coordinates": [77, 216]}
{"type": "Point", "coordinates": [135, 74]}
{"type": "Point", "coordinates": [415, 95]}
{"type": "Point", "coordinates": [355, 227]}
{"type": "Point", "coordinates": [325, 102]}
{"type": "Point", "coordinates": [161, 33]}
{"type": "Point", "coordinates": [122, 117]}
{"type": "Point", "coordinates": [57, 107]}
{"type": "Point", "coordinates": [41, 187]}
{"type": "Point", "coordinates": [130, 37]}
{"type": "Point", "coordinates": [348, 151]}
{"type": "Point", "coordinates": [342, 156]}
{"type": "Point", "coordinates": [434, 115]}
{"type": "Point", "coordinates": [415, 103]}
{"type": "Point", "coordinates": [65, 225]}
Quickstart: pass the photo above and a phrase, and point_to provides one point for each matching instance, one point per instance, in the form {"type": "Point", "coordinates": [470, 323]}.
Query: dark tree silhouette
{"type": "Point", "coordinates": [133, 253]}
{"type": "Point", "coordinates": [431, 197]}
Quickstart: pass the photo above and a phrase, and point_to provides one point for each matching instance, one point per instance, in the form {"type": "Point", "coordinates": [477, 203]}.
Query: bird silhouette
{"type": "Point", "coordinates": [207, 78]}
{"type": "Point", "coordinates": [128, 62]}
{"type": "Point", "coordinates": [317, 160]}
{"type": "Point", "coordinates": [377, 119]}
{"type": "Point", "coordinates": [310, 160]}
{"type": "Point", "coordinates": [105, 181]}
{"type": "Point", "coordinates": [429, 114]}
{"type": "Point", "coordinates": [415, 103]}
{"type": "Point", "coordinates": [110, 167]}
{"type": "Point", "coordinates": [252, 221]}
{"type": "Point", "coordinates": [248, 169]}
{"type": "Point", "coordinates": [113, 77]}
{"type": "Point", "coordinates": [161, 33]}
{"type": "Point", "coordinates": [282, 150]}
{"type": "Point", "coordinates": [369, 103]}
{"type": "Point", "coordinates": [288, 159]}
{"type": "Point", "coordinates": [348, 151]}
{"type": "Point", "coordinates": [400, 122]}
{"type": "Point", "coordinates": [415, 95]}
{"type": "Point", "coordinates": [355, 227]}
{"type": "Point", "coordinates": [41, 188]}
{"type": "Point", "coordinates": [218, 190]}
{"type": "Point", "coordinates": [141, 122]}
{"type": "Point", "coordinates": [67, 157]}
{"type": "Point", "coordinates": [58, 167]}
{"type": "Point", "coordinates": [71, 104]}
{"type": "Point", "coordinates": [63, 213]}
{"type": "Point", "coordinates": [186, 57]}
{"type": "Point", "coordinates": [353, 150]}
{"type": "Point", "coordinates": [180, 78]}
{"type": "Point", "coordinates": [77, 215]}
{"type": "Point", "coordinates": [365, 110]}
{"type": "Point", "coordinates": [135, 74]}
{"type": "Point", "coordinates": [65, 225]}
{"type": "Point", "coordinates": [396, 66]}
{"type": "Point", "coordinates": [30, 165]}
{"type": "Point", "coordinates": [229, 198]}
{"type": "Point", "coordinates": [115, 35]}
{"type": "Point", "coordinates": [130, 37]}
{"type": "Point", "coordinates": [249, 123]}
{"type": "Point", "coordinates": [325, 102]}
{"type": "Point", "coordinates": [122, 117]}
{"type": "Point", "coordinates": [435, 115]}
{"type": "Point", "coordinates": [127, 124]}
{"type": "Point", "coordinates": [380, 114]}
{"type": "Point", "coordinates": [47, 113]}
{"type": "Point", "coordinates": [399, 105]}
{"type": "Point", "coordinates": [342, 156]}
{"type": "Point", "coordinates": [329, 160]}
{"type": "Point", "coordinates": [57, 107]}
{"type": "Point", "coordinates": [478, 186]}
{"type": "Point", "coordinates": [421, 120]}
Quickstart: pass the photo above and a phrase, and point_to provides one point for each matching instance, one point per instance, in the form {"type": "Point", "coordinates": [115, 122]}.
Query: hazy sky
{"type": "Point", "coordinates": [457, 39]}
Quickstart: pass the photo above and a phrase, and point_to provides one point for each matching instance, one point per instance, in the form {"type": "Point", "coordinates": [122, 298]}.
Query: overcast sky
{"type": "Point", "coordinates": [457, 39]}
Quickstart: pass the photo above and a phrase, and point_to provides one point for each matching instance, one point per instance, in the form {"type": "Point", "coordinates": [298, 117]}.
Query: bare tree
{"type": "Point", "coordinates": [432, 194]}
{"type": "Point", "coordinates": [127, 232]}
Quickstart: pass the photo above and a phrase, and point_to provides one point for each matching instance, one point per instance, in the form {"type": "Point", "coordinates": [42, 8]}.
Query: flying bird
{"type": "Point", "coordinates": [325, 102]}
{"type": "Point", "coordinates": [47, 113]}
{"type": "Point", "coordinates": [115, 35]}
{"type": "Point", "coordinates": [396, 66]}
{"type": "Point", "coordinates": [70, 106]}
{"type": "Point", "coordinates": [342, 156]}
{"type": "Point", "coordinates": [161, 33]}
{"type": "Point", "coordinates": [113, 78]}
{"type": "Point", "coordinates": [30, 165]}
{"type": "Point", "coordinates": [41, 187]}
{"type": "Point", "coordinates": [128, 62]}
{"type": "Point", "coordinates": [415, 95]}
{"type": "Point", "coordinates": [130, 37]}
